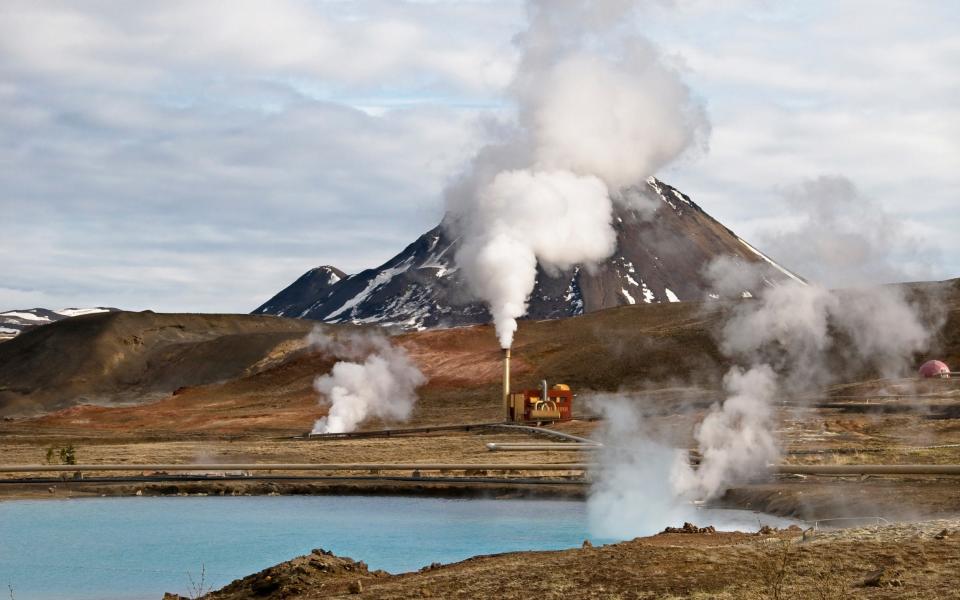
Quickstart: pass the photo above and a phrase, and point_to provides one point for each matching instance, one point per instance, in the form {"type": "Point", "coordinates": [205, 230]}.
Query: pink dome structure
{"type": "Point", "coordinates": [934, 368]}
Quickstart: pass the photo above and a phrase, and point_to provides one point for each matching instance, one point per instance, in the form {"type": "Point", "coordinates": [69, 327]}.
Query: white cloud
{"type": "Point", "coordinates": [199, 156]}
{"type": "Point", "coordinates": [863, 89]}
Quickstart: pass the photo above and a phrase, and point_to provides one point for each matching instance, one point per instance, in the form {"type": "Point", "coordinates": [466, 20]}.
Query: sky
{"type": "Point", "coordinates": [199, 156]}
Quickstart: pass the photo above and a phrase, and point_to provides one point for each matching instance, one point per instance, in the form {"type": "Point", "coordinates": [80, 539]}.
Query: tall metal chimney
{"type": "Point", "coordinates": [506, 383]}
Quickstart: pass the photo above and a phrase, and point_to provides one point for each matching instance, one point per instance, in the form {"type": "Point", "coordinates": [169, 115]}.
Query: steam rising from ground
{"type": "Point", "coordinates": [598, 110]}
{"type": "Point", "coordinates": [377, 379]}
{"type": "Point", "coordinates": [794, 339]}
{"type": "Point", "coordinates": [735, 439]}
{"type": "Point", "coordinates": [631, 497]}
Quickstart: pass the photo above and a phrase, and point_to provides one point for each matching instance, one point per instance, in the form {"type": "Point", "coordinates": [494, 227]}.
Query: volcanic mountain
{"type": "Point", "coordinates": [664, 243]}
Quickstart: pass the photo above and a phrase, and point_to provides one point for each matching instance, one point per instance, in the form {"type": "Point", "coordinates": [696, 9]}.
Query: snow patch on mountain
{"type": "Point", "coordinates": [648, 296]}
{"type": "Point", "coordinates": [661, 256]}
{"type": "Point", "coordinates": [15, 322]}
{"type": "Point", "coordinates": [771, 262]}
{"type": "Point", "coordinates": [76, 312]}
{"type": "Point", "coordinates": [382, 278]}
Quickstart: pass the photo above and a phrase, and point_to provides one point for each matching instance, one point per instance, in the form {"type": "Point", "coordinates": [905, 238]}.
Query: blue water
{"type": "Point", "coordinates": [120, 548]}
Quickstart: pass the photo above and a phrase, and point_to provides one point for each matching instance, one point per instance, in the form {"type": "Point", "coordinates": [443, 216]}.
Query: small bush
{"type": "Point", "coordinates": [67, 455]}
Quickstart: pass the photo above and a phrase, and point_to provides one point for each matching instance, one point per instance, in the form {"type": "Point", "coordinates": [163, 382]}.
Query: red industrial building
{"type": "Point", "coordinates": [935, 368]}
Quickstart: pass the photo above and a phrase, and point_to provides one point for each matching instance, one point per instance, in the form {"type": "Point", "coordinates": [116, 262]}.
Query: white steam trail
{"type": "Point", "coordinates": [598, 110]}
{"type": "Point", "coordinates": [631, 495]}
{"type": "Point", "coordinates": [377, 380]}
{"type": "Point", "coordinates": [793, 339]}
{"type": "Point", "coordinates": [788, 340]}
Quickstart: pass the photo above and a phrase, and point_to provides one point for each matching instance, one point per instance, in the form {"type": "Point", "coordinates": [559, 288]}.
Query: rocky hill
{"type": "Point", "coordinates": [242, 372]}
{"type": "Point", "coordinates": [661, 256]}
{"type": "Point", "coordinates": [118, 358]}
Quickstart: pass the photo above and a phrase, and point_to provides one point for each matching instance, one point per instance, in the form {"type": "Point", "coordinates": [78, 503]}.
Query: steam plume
{"type": "Point", "coordinates": [841, 237]}
{"type": "Point", "coordinates": [795, 338]}
{"type": "Point", "coordinates": [630, 497]}
{"type": "Point", "coordinates": [597, 110]}
{"type": "Point", "coordinates": [377, 380]}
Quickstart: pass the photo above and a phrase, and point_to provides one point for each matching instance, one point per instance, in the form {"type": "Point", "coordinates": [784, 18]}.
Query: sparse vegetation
{"type": "Point", "coordinates": [783, 575]}
{"type": "Point", "coordinates": [198, 588]}
{"type": "Point", "coordinates": [66, 455]}
{"type": "Point", "coordinates": [773, 568]}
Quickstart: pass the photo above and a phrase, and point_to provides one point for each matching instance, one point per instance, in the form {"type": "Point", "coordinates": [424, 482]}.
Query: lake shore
{"type": "Point", "coordinates": [909, 560]}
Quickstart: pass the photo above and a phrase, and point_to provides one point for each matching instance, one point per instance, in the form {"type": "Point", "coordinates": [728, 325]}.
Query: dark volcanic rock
{"type": "Point", "coordinates": [690, 528]}
{"type": "Point", "coordinates": [299, 295]}
{"type": "Point", "coordinates": [318, 569]}
{"type": "Point", "coordinates": [660, 257]}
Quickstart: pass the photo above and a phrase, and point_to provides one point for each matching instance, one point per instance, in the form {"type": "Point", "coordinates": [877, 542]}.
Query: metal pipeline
{"type": "Point", "coordinates": [867, 469]}
{"type": "Point", "coordinates": [952, 469]}
{"type": "Point", "coordinates": [575, 446]}
{"type": "Point", "coordinates": [546, 432]}
{"type": "Point", "coordinates": [296, 467]}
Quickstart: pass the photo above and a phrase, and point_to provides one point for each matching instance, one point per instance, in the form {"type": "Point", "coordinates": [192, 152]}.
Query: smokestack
{"type": "Point", "coordinates": [506, 382]}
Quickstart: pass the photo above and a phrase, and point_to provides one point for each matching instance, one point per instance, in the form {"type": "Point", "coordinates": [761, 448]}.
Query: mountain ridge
{"type": "Point", "coordinates": [664, 243]}
{"type": "Point", "coordinates": [15, 322]}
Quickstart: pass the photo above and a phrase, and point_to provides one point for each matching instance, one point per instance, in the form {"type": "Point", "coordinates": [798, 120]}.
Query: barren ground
{"type": "Point", "coordinates": [898, 561]}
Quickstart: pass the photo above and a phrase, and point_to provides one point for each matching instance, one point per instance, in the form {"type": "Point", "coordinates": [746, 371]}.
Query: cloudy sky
{"type": "Point", "coordinates": [199, 156]}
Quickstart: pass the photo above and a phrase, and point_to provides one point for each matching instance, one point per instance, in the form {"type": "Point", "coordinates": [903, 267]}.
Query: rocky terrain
{"type": "Point", "coordinates": [664, 243]}
{"type": "Point", "coordinates": [909, 560]}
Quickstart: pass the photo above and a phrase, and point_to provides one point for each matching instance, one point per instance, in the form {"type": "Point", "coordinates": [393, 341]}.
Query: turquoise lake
{"type": "Point", "coordinates": [140, 547]}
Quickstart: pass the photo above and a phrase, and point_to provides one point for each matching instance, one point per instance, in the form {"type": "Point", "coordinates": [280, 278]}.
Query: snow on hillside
{"type": "Point", "coordinates": [664, 243]}
{"type": "Point", "coordinates": [15, 322]}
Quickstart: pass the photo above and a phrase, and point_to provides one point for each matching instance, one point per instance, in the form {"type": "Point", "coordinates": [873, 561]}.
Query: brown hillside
{"type": "Point", "coordinates": [254, 374]}
{"type": "Point", "coordinates": [122, 357]}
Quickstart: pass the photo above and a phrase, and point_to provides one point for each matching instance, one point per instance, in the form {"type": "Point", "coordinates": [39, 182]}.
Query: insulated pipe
{"type": "Point", "coordinates": [297, 467]}
{"type": "Point", "coordinates": [953, 469]}
{"type": "Point", "coordinates": [867, 469]}
{"type": "Point", "coordinates": [498, 447]}
{"type": "Point", "coordinates": [506, 384]}
{"type": "Point", "coordinates": [547, 432]}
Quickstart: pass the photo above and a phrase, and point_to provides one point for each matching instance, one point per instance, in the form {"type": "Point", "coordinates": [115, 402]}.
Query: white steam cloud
{"type": "Point", "coordinates": [377, 379]}
{"type": "Point", "coordinates": [792, 340]}
{"type": "Point", "coordinates": [631, 496]}
{"type": "Point", "coordinates": [839, 237]}
{"type": "Point", "coordinates": [736, 439]}
{"type": "Point", "coordinates": [598, 110]}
